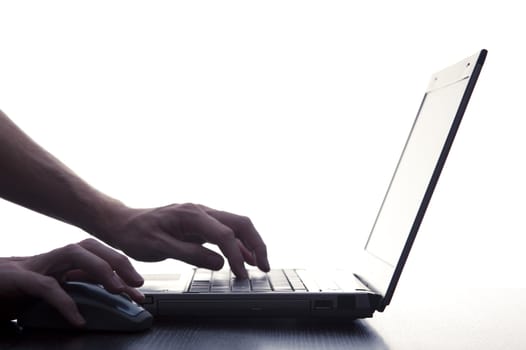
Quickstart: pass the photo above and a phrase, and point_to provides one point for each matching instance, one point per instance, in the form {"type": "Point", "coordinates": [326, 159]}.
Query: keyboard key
{"type": "Point", "coordinates": [199, 287]}
{"type": "Point", "coordinates": [309, 283]}
{"type": "Point", "coordinates": [240, 285]}
{"type": "Point", "coordinates": [220, 281]}
{"type": "Point", "coordinates": [223, 281]}
{"type": "Point", "coordinates": [295, 281]}
{"type": "Point", "coordinates": [202, 275]}
{"type": "Point", "coordinates": [200, 282]}
{"type": "Point", "coordinates": [259, 281]}
{"type": "Point", "coordinates": [279, 281]}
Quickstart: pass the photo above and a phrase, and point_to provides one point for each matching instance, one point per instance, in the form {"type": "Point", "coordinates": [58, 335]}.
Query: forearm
{"type": "Point", "coordinates": [33, 178]}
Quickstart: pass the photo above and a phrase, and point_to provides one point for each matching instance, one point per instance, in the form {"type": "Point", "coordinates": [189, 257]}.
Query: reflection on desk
{"type": "Point", "coordinates": [212, 334]}
{"type": "Point", "coordinates": [440, 318]}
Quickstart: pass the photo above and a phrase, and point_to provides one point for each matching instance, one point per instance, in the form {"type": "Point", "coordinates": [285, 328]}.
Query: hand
{"type": "Point", "coordinates": [179, 230]}
{"type": "Point", "coordinates": [40, 276]}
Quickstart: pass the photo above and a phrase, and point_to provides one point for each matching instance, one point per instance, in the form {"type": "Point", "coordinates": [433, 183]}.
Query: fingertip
{"type": "Point", "coordinates": [137, 279]}
{"type": "Point", "coordinates": [77, 320]}
{"type": "Point", "coordinates": [264, 266]}
{"type": "Point", "coordinates": [262, 260]}
{"type": "Point", "coordinates": [136, 283]}
{"type": "Point", "coordinates": [134, 280]}
{"type": "Point", "coordinates": [136, 295]}
{"type": "Point", "coordinates": [214, 262]}
{"type": "Point", "coordinates": [241, 273]}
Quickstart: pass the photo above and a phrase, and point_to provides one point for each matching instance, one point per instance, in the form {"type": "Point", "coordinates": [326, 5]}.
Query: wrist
{"type": "Point", "coordinates": [109, 215]}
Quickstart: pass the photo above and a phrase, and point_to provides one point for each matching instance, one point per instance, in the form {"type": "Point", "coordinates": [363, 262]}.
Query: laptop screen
{"type": "Point", "coordinates": [417, 172]}
{"type": "Point", "coordinates": [414, 171]}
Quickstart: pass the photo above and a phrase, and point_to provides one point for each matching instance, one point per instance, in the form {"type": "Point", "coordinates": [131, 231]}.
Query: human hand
{"type": "Point", "coordinates": [40, 276]}
{"type": "Point", "coordinates": [179, 230]}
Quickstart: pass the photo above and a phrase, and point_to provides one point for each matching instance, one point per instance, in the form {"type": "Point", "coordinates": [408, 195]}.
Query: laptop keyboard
{"type": "Point", "coordinates": [224, 281]}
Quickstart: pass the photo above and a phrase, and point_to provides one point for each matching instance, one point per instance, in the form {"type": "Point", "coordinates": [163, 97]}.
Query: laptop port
{"type": "Point", "coordinates": [322, 305]}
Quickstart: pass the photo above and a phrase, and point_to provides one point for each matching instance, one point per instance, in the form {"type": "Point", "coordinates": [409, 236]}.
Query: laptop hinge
{"type": "Point", "coordinates": [369, 286]}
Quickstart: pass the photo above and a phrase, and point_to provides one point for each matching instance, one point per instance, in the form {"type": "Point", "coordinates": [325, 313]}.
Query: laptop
{"type": "Point", "coordinates": [341, 293]}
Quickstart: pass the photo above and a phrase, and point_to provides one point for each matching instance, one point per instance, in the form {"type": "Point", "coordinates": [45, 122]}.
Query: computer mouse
{"type": "Point", "coordinates": [102, 310]}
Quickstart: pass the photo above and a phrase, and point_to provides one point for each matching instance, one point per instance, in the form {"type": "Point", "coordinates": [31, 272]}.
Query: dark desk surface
{"type": "Point", "coordinates": [444, 319]}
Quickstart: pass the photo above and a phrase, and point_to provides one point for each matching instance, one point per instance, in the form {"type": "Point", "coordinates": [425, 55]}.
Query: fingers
{"type": "Point", "coordinates": [190, 253]}
{"type": "Point", "coordinates": [79, 275]}
{"type": "Point", "coordinates": [246, 232]}
{"type": "Point", "coordinates": [178, 231]}
{"type": "Point", "coordinates": [88, 260]}
{"type": "Point", "coordinates": [74, 256]}
{"type": "Point", "coordinates": [48, 289]}
{"type": "Point", "coordinates": [195, 219]}
{"type": "Point", "coordinates": [94, 260]}
{"type": "Point", "coordinates": [117, 261]}
{"type": "Point", "coordinates": [247, 254]}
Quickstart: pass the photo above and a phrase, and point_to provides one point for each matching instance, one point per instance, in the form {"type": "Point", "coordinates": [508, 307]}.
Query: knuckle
{"type": "Point", "coordinates": [227, 235]}
{"type": "Point", "coordinates": [88, 242]}
{"type": "Point", "coordinates": [245, 222]}
{"type": "Point", "coordinates": [11, 268]}
{"type": "Point", "coordinates": [188, 213]}
{"type": "Point", "coordinates": [122, 260]}
{"type": "Point", "coordinates": [188, 207]}
{"type": "Point", "coordinates": [71, 249]}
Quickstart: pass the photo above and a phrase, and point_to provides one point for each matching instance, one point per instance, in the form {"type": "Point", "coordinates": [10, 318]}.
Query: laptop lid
{"type": "Point", "coordinates": [416, 175]}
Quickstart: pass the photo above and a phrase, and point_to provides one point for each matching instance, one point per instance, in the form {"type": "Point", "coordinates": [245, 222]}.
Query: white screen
{"type": "Point", "coordinates": [414, 171]}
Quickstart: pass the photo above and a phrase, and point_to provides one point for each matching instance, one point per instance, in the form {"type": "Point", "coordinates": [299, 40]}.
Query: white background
{"type": "Point", "coordinates": [291, 112]}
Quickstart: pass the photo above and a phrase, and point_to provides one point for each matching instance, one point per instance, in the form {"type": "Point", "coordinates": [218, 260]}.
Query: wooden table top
{"type": "Point", "coordinates": [478, 318]}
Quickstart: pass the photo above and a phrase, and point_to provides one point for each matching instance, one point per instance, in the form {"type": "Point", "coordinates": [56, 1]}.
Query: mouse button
{"type": "Point", "coordinates": [127, 306]}
{"type": "Point", "coordinates": [86, 293]}
{"type": "Point", "coordinates": [110, 302]}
